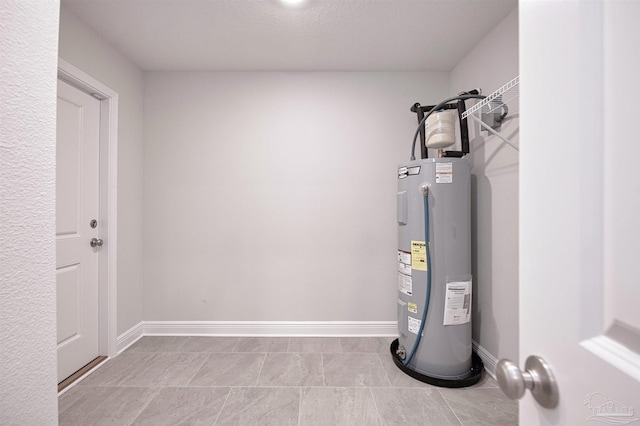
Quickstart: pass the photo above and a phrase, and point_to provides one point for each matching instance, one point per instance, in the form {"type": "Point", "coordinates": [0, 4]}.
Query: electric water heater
{"type": "Point", "coordinates": [445, 349]}
{"type": "Point", "coordinates": [434, 260]}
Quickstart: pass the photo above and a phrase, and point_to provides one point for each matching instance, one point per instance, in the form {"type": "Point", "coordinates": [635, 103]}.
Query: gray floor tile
{"type": "Point", "coordinates": [365, 344]}
{"type": "Point", "coordinates": [178, 406]}
{"type": "Point", "coordinates": [209, 344]}
{"type": "Point", "coordinates": [106, 406]}
{"type": "Point", "coordinates": [158, 344]}
{"type": "Point", "coordinates": [68, 398]}
{"type": "Point", "coordinates": [397, 377]}
{"type": "Point", "coordinates": [262, 344]}
{"type": "Point", "coordinates": [272, 381]}
{"type": "Point", "coordinates": [407, 406]}
{"type": "Point", "coordinates": [232, 369]}
{"type": "Point", "coordinates": [150, 369]}
{"type": "Point", "coordinates": [291, 369]}
{"type": "Point", "coordinates": [314, 344]}
{"type": "Point", "coordinates": [349, 370]}
{"type": "Point", "coordinates": [168, 369]}
{"type": "Point", "coordinates": [482, 406]}
{"type": "Point", "coordinates": [111, 372]}
{"type": "Point", "coordinates": [261, 406]}
{"type": "Point", "coordinates": [338, 406]}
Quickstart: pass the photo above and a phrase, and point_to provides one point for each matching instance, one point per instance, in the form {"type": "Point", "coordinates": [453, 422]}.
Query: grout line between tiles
{"type": "Point", "coordinates": [264, 358]}
{"type": "Point", "coordinates": [222, 408]}
{"type": "Point", "coordinates": [384, 371]}
{"type": "Point", "coordinates": [450, 408]}
{"type": "Point", "coordinates": [235, 345]}
{"type": "Point", "coordinates": [197, 370]}
{"type": "Point", "coordinates": [322, 368]}
{"type": "Point", "coordinates": [375, 404]}
{"type": "Point", "coordinates": [268, 386]}
{"type": "Point", "coordinates": [154, 393]}
{"type": "Point", "coordinates": [300, 405]}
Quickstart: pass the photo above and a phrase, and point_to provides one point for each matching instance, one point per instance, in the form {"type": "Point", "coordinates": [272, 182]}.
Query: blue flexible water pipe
{"type": "Point", "coordinates": [428, 295]}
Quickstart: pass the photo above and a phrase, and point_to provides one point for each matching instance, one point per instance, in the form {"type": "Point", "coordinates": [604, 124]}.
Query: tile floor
{"type": "Point", "coordinates": [272, 381]}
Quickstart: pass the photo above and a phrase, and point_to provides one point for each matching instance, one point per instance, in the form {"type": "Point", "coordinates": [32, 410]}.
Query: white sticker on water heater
{"type": "Point", "coordinates": [457, 303]}
{"type": "Point", "coordinates": [414, 325]}
{"type": "Point", "coordinates": [405, 284]}
{"type": "Point", "coordinates": [444, 172]}
{"type": "Point", "coordinates": [404, 257]}
{"type": "Point", "coordinates": [404, 262]}
{"type": "Point", "coordinates": [403, 268]}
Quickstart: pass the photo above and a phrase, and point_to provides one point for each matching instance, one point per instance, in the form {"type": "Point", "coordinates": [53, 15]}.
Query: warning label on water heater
{"type": "Point", "coordinates": [414, 325]}
{"type": "Point", "coordinates": [405, 285]}
{"type": "Point", "coordinates": [404, 262]}
{"type": "Point", "coordinates": [457, 303]}
{"type": "Point", "coordinates": [444, 172]}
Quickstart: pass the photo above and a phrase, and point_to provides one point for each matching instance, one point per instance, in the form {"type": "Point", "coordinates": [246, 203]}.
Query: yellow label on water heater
{"type": "Point", "coordinates": [418, 255]}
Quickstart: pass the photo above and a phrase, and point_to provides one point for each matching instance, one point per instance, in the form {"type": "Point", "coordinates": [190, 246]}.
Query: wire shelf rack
{"type": "Point", "coordinates": [505, 95]}
{"type": "Point", "coordinates": [495, 108]}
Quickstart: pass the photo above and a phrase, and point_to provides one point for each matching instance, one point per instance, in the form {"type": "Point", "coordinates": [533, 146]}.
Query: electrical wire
{"type": "Point", "coordinates": [416, 343]}
{"type": "Point", "coordinates": [435, 108]}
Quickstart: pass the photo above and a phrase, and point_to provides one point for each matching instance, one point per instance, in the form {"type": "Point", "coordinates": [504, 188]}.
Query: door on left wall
{"type": "Point", "coordinates": [77, 228]}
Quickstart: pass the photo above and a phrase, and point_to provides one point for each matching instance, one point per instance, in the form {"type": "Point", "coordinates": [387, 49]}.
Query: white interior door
{"type": "Point", "coordinates": [580, 207]}
{"type": "Point", "coordinates": [77, 204]}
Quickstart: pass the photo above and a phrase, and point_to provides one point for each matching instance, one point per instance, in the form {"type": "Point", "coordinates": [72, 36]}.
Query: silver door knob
{"type": "Point", "coordinates": [96, 242]}
{"type": "Point", "coordinates": [537, 377]}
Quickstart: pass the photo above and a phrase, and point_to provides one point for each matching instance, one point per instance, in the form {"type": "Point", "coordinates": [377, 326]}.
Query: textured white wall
{"type": "Point", "coordinates": [271, 196]}
{"type": "Point", "coordinates": [492, 63]}
{"type": "Point", "coordinates": [83, 48]}
{"type": "Point", "coordinates": [28, 54]}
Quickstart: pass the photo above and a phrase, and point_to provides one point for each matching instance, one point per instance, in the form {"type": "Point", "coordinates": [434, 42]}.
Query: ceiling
{"type": "Point", "coordinates": [319, 35]}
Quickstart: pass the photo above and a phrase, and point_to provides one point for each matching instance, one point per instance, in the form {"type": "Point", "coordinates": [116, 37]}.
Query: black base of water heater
{"type": "Point", "coordinates": [474, 376]}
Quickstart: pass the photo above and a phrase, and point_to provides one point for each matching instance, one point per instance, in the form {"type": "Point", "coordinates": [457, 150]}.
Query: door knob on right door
{"type": "Point", "coordinates": [537, 377]}
{"type": "Point", "coordinates": [96, 242]}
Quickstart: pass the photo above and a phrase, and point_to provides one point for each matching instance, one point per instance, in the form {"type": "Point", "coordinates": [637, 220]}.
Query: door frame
{"type": "Point", "coordinates": [107, 273]}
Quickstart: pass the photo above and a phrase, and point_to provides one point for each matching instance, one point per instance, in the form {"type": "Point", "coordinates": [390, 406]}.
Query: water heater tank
{"type": "Point", "coordinates": [444, 350]}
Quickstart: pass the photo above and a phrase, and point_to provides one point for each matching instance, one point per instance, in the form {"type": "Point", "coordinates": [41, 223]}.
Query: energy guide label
{"type": "Point", "coordinates": [405, 284]}
{"type": "Point", "coordinates": [404, 262]}
{"type": "Point", "coordinates": [414, 325]}
{"type": "Point", "coordinates": [419, 255]}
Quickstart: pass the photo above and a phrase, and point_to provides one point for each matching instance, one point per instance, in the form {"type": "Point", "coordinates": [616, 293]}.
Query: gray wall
{"type": "Point", "coordinates": [28, 53]}
{"type": "Point", "coordinates": [492, 63]}
{"type": "Point", "coordinates": [83, 48]}
{"type": "Point", "coordinates": [271, 196]}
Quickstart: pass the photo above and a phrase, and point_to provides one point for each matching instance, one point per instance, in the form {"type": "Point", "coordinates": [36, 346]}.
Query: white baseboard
{"type": "Point", "coordinates": [487, 358]}
{"type": "Point", "coordinates": [257, 328]}
{"type": "Point", "coordinates": [130, 336]}
{"type": "Point", "coordinates": [271, 328]}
